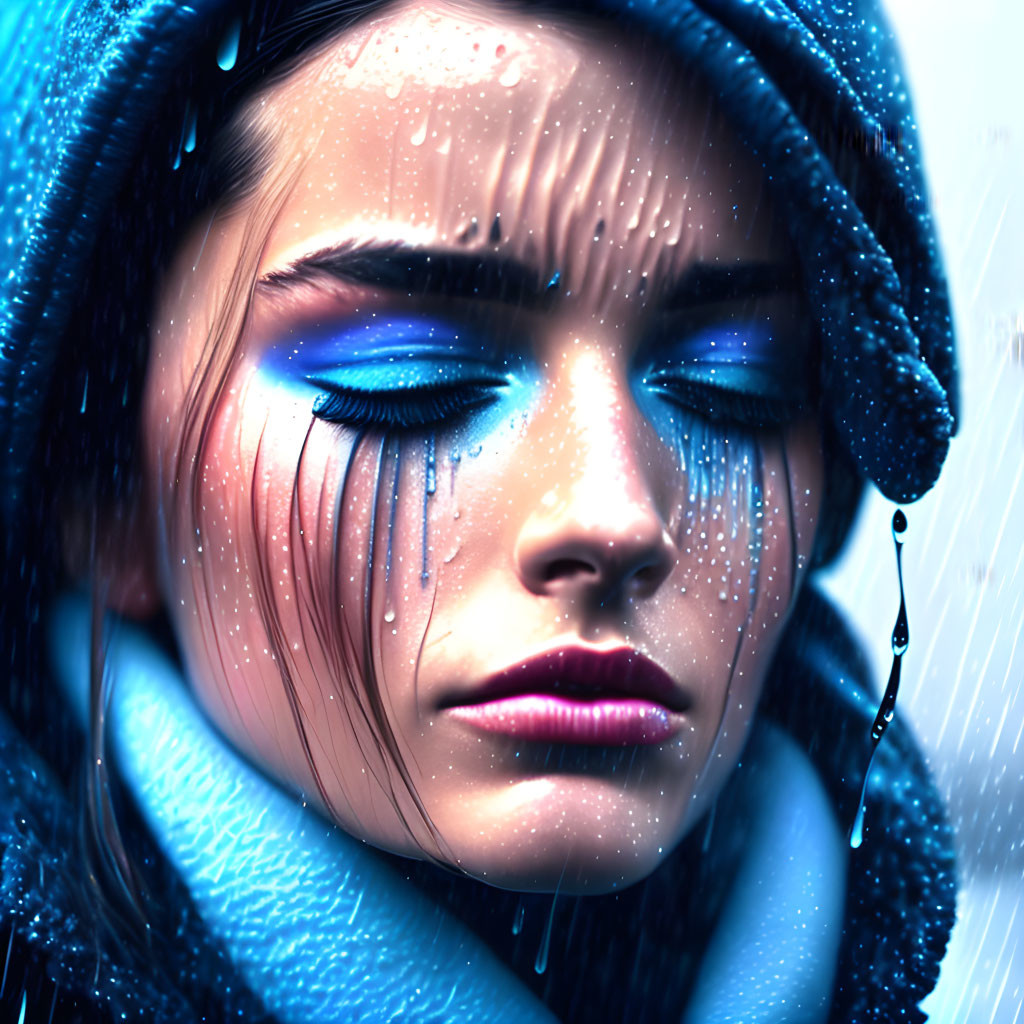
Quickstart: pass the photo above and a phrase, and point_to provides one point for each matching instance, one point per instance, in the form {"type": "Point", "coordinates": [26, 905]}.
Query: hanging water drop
{"type": "Point", "coordinates": [887, 709]}
{"type": "Point", "coordinates": [431, 465]}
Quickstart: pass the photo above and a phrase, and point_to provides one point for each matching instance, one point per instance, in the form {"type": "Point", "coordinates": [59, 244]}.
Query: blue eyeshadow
{"type": "Point", "coordinates": [746, 357]}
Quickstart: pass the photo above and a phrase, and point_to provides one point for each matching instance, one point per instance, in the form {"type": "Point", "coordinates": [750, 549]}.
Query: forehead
{"type": "Point", "coordinates": [474, 126]}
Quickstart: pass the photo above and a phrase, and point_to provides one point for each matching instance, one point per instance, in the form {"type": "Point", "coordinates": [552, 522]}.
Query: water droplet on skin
{"type": "Point", "coordinates": [227, 52]}
{"type": "Point", "coordinates": [420, 136]}
{"type": "Point", "coordinates": [511, 75]}
{"type": "Point", "coordinates": [389, 615]}
{"type": "Point", "coordinates": [392, 89]}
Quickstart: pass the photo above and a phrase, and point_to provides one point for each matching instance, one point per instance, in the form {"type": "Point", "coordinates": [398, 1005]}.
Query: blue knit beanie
{"type": "Point", "coordinates": [814, 87]}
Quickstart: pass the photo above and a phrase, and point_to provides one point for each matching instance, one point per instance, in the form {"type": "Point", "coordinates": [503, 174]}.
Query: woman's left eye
{"type": "Point", "coordinates": [720, 403]}
{"type": "Point", "coordinates": [733, 373]}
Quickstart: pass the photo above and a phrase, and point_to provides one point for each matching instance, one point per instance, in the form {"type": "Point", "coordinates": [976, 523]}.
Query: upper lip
{"type": "Point", "coordinates": [582, 673]}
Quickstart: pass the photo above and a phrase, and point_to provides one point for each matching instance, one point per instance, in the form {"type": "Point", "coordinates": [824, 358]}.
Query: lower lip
{"type": "Point", "coordinates": [619, 722]}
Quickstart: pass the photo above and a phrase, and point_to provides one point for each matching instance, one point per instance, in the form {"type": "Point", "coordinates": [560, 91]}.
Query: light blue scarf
{"type": "Point", "coordinates": [321, 929]}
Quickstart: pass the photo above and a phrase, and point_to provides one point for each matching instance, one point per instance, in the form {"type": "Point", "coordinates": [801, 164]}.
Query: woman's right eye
{"type": "Point", "coordinates": [407, 408]}
{"type": "Point", "coordinates": [405, 373]}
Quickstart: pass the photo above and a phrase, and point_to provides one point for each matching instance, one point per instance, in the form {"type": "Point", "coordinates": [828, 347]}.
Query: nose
{"type": "Point", "coordinates": [596, 530]}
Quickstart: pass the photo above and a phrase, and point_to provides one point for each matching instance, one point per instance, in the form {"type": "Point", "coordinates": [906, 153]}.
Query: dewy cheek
{"type": "Point", "coordinates": [360, 573]}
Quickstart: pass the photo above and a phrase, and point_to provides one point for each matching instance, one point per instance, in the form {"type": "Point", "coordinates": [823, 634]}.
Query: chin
{"type": "Point", "coordinates": [574, 836]}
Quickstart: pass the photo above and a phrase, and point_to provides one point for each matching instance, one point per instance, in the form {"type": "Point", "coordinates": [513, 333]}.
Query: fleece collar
{"type": "Point", "coordinates": [320, 928]}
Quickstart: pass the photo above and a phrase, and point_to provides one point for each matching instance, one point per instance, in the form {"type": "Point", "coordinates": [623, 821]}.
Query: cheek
{"type": "Point", "coordinates": [746, 523]}
{"type": "Point", "coordinates": [271, 534]}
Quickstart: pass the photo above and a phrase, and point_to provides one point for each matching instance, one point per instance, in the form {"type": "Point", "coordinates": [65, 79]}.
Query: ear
{"type": "Point", "coordinates": [115, 546]}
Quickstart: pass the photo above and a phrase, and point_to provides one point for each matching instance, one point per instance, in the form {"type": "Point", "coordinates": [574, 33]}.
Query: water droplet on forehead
{"type": "Point", "coordinates": [511, 76]}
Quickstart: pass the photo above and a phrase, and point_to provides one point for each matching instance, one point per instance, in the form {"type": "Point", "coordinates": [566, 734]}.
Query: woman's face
{"type": "Point", "coordinates": [478, 444]}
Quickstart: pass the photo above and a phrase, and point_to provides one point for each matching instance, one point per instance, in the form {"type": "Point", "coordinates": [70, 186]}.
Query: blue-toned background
{"type": "Point", "coordinates": [964, 556]}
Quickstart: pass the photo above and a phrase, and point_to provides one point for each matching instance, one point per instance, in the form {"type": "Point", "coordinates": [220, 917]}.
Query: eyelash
{"type": "Point", "coordinates": [411, 408]}
{"type": "Point", "coordinates": [721, 405]}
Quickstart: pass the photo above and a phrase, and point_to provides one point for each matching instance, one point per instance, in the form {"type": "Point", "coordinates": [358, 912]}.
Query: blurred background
{"type": "Point", "coordinates": [963, 676]}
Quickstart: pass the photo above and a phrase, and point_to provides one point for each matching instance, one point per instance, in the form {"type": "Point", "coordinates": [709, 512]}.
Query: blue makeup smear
{"type": "Point", "coordinates": [731, 372]}
{"type": "Point", "coordinates": [404, 373]}
{"type": "Point", "coordinates": [712, 394]}
{"type": "Point", "coordinates": [391, 512]}
{"type": "Point", "coordinates": [407, 375]}
{"type": "Point", "coordinates": [428, 490]}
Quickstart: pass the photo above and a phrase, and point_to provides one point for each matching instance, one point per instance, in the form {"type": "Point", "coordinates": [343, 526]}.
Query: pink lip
{"type": "Point", "coordinates": [576, 695]}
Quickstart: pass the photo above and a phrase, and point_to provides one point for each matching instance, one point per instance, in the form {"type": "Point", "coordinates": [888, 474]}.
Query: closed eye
{"type": "Point", "coordinates": [409, 408]}
{"type": "Point", "coordinates": [726, 406]}
{"type": "Point", "coordinates": [741, 372]}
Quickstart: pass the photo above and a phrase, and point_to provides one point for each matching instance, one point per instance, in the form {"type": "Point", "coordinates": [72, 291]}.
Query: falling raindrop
{"type": "Point", "coordinates": [540, 965]}
{"type": "Point", "coordinates": [190, 129]}
{"type": "Point", "coordinates": [227, 52]}
{"type": "Point", "coordinates": [517, 921]}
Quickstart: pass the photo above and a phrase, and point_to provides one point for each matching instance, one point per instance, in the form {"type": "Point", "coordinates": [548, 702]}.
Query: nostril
{"type": "Point", "coordinates": [564, 568]}
{"type": "Point", "coordinates": [649, 575]}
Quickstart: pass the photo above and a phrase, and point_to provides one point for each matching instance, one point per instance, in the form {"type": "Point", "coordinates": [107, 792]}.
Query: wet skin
{"type": "Point", "coordinates": [493, 398]}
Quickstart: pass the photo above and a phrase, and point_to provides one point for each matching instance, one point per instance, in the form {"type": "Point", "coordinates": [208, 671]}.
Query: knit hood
{"type": "Point", "coordinates": [814, 88]}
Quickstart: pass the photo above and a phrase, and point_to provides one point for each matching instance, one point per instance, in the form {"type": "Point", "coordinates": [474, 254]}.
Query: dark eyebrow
{"type": "Point", "coordinates": [437, 272]}
{"type": "Point", "coordinates": [705, 284]}
{"type": "Point", "coordinates": [491, 277]}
